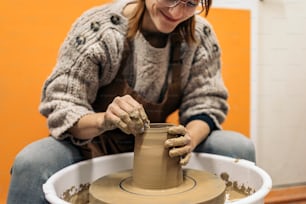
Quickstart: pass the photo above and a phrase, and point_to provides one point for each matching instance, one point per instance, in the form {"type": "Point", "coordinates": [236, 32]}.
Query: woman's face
{"type": "Point", "coordinates": [158, 18]}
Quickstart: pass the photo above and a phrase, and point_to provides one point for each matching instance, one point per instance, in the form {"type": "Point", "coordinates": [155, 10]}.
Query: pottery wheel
{"type": "Point", "coordinates": [198, 187]}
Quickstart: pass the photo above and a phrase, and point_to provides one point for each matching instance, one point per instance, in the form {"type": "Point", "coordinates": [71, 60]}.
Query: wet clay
{"type": "Point", "coordinates": [77, 195]}
{"type": "Point", "coordinates": [82, 195]}
{"type": "Point", "coordinates": [233, 190]}
{"type": "Point", "coordinates": [157, 178]}
{"type": "Point", "coordinates": [152, 167]}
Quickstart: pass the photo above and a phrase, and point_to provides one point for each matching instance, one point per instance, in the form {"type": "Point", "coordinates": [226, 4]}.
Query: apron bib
{"type": "Point", "coordinates": [115, 141]}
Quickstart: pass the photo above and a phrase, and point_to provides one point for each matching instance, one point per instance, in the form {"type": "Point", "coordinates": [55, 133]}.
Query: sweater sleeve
{"type": "Point", "coordinates": [88, 58]}
{"type": "Point", "coordinates": [205, 92]}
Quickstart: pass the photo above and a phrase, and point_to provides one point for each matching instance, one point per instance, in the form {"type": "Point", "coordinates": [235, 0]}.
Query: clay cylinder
{"type": "Point", "coordinates": [153, 168]}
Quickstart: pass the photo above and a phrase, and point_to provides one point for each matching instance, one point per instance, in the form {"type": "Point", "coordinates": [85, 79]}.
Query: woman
{"type": "Point", "coordinates": [122, 66]}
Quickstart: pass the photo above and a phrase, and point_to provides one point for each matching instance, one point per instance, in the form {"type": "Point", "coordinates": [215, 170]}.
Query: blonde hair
{"type": "Point", "coordinates": [185, 30]}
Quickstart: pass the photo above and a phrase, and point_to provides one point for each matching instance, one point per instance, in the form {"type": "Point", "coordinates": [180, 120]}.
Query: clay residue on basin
{"type": "Point", "coordinates": [77, 195]}
{"type": "Point", "coordinates": [234, 191]}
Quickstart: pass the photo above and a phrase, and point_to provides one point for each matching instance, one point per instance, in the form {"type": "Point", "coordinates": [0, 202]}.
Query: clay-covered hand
{"type": "Point", "coordinates": [126, 114]}
{"type": "Point", "coordinates": [179, 145]}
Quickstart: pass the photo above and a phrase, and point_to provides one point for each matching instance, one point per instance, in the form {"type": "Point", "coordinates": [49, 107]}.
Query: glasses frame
{"type": "Point", "coordinates": [184, 2]}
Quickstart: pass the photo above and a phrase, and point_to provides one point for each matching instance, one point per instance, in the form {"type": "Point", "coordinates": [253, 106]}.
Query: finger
{"type": "Point", "coordinates": [139, 113]}
{"type": "Point", "coordinates": [177, 130]}
{"type": "Point", "coordinates": [134, 109]}
{"type": "Point", "coordinates": [141, 120]}
{"type": "Point", "coordinates": [129, 99]}
{"type": "Point", "coordinates": [176, 142]}
{"type": "Point", "coordinates": [174, 152]}
{"type": "Point", "coordinates": [114, 109]}
{"type": "Point", "coordinates": [137, 127]}
{"type": "Point", "coordinates": [124, 104]}
{"type": "Point", "coordinates": [114, 114]}
{"type": "Point", "coordinates": [113, 120]}
{"type": "Point", "coordinates": [123, 126]}
{"type": "Point", "coordinates": [185, 159]}
{"type": "Point", "coordinates": [132, 113]}
{"type": "Point", "coordinates": [144, 116]}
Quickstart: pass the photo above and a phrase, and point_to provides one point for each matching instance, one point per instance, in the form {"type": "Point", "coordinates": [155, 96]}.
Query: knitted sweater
{"type": "Point", "coordinates": [90, 57]}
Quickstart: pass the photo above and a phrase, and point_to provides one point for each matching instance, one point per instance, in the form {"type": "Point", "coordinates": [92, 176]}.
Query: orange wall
{"type": "Point", "coordinates": [30, 35]}
{"type": "Point", "coordinates": [233, 31]}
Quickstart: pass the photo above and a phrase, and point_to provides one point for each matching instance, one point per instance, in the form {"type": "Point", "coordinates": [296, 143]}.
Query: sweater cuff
{"type": "Point", "coordinates": [205, 118]}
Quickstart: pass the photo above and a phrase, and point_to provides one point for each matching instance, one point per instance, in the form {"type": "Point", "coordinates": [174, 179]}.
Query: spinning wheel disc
{"type": "Point", "coordinates": [198, 187]}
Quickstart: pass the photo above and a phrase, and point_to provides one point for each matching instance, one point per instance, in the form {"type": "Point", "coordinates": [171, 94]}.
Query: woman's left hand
{"type": "Point", "coordinates": [179, 145]}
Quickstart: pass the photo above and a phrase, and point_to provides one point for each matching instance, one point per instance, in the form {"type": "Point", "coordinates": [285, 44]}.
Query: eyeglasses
{"type": "Point", "coordinates": [190, 5]}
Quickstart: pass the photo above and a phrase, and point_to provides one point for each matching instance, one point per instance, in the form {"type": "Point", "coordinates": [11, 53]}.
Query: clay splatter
{"type": "Point", "coordinates": [234, 191]}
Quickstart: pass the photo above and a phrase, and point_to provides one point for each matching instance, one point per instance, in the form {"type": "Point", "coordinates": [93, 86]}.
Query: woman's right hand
{"type": "Point", "coordinates": [126, 114]}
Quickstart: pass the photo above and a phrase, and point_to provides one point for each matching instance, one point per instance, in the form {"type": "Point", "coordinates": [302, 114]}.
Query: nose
{"type": "Point", "coordinates": [177, 11]}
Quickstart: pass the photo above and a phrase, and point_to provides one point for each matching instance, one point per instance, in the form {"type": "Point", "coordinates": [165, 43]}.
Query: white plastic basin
{"type": "Point", "coordinates": [243, 172]}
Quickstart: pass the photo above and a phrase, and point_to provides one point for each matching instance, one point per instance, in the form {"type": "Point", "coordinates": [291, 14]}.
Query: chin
{"type": "Point", "coordinates": [165, 28]}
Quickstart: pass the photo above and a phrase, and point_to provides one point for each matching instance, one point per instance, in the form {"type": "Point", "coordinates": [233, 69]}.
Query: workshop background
{"type": "Point", "coordinates": [264, 69]}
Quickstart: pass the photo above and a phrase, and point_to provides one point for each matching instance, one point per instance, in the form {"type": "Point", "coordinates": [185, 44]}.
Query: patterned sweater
{"type": "Point", "coordinates": [90, 57]}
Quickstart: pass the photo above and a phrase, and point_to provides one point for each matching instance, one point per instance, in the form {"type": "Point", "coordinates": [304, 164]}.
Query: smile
{"type": "Point", "coordinates": [168, 18]}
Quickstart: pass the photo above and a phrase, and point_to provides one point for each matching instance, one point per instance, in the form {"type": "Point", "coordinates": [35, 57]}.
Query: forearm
{"type": "Point", "coordinates": [198, 130]}
{"type": "Point", "coordinates": [88, 126]}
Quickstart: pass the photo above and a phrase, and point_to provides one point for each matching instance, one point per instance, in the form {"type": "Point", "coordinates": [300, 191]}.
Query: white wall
{"type": "Point", "coordinates": [278, 112]}
{"type": "Point", "coordinates": [281, 91]}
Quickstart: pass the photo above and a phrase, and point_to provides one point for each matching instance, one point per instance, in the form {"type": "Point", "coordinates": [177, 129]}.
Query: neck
{"type": "Point", "coordinates": [156, 39]}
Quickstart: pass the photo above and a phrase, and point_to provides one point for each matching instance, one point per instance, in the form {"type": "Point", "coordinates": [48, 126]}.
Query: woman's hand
{"type": "Point", "coordinates": [179, 145]}
{"type": "Point", "coordinates": [126, 114]}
